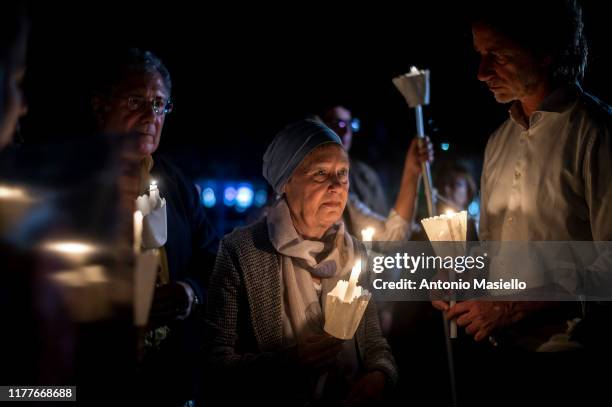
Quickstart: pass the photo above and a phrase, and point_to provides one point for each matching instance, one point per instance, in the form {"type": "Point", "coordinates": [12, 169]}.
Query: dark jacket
{"type": "Point", "coordinates": [244, 323]}
{"type": "Point", "coordinates": [192, 242]}
{"type": "Point", "coordinates": [171, 374]}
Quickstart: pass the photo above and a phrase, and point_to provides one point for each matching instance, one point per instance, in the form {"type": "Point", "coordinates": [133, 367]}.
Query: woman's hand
{"type": "Point", "coordinates": [318, 351]}
{"type": "Point", "coordinates": [369, 388]}
{"type": "Point", "coordinates": [420, 151]}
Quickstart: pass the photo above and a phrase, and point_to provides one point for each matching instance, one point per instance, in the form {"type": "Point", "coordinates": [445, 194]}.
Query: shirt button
{"type": "Point", "coordinates": [510, 219]}
{"type": "Point", "coordinates": [517, 174]}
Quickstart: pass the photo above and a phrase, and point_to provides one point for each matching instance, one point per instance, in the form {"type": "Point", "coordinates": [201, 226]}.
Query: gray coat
{"type": "Point", "coordinates": [244, 322]}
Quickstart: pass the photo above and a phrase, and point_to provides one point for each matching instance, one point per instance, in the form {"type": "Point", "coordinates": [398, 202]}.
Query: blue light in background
{"type": "Point", "coordinates": [261, 197]}
{"type": "Point", "coordinates": [445, 146]}
{"type": "Point", "coordinates": [244, 196]}
{"type": "Point", "coordinates": [208, 197]}
{"type": "Point", "coordinates": [229, 196]}
{"type": "Point", "coordinates": [474, 208]}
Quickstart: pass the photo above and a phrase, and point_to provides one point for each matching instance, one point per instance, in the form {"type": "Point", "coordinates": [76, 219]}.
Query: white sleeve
{"type": "Point", "coordinates": [391, 228]}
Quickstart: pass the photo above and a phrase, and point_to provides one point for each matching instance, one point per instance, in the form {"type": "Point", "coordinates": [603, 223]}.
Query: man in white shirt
{"type": "Point", "coordinates": [548, 167]}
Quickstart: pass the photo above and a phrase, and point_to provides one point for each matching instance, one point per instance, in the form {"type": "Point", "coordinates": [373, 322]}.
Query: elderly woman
{"type": "Point", "coordinates": [268, 288]}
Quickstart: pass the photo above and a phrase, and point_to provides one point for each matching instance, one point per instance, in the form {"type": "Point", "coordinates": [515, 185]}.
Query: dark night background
{"type": "Point", "coordinates": [241, 72]}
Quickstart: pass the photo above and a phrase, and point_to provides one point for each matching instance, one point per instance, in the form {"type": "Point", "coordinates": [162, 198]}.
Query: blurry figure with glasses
{"type": "Point", "coordinates": [367, 206]}
{"type": "Point", "coordinates": [133, 97]}
{"type": "Point", "coordinates": [365, 183]}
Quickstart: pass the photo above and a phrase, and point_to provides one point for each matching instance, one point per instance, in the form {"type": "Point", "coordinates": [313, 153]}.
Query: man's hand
{"type": "Point", "coordinates": [480, 318]}
{"type": "Point", "coordinates": [369, 388]}
{"type": "Point", "coordinates": [170, 302]}
{"type": "Point", "coordinates": [318, 351]}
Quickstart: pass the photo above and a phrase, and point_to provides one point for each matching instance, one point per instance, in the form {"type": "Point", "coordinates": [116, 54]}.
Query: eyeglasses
{"type": "Point", "coordinates": [160, 106]}
{"type": "Point", "coordinates": [354, 123]}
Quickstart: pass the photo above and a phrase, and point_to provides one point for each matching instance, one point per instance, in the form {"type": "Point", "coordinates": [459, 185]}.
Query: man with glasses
{"type": "Point", "coordinates": [365, 183]}
{"type": "Point", "coordinates": [133, 98]}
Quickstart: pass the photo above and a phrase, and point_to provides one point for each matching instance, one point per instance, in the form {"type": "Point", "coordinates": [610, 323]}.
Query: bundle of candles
{"type": "Point", "coordinates": [450, 227]}
{"type": "Point", "coordinates": [345, 306]}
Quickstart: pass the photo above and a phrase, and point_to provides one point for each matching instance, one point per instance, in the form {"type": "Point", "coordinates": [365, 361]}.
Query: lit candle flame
{"type": "Point", "coordinates": [7, 192]}
{"type": "Point", "coordinates": [367, 234]}
{"type": "Point", "coordinates": [352, 283]}
{"type": "Point", "coordinates": [67, 247]}
{"type": "Point", "coordinates": [137, 231]}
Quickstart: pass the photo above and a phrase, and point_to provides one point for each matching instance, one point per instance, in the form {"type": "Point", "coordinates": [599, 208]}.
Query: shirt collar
{"type": "Point", "coordinates": [558, 101]}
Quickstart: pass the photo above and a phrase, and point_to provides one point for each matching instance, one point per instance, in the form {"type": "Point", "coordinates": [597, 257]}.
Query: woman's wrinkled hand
{"type": "Point", "coordinates": [318, 352]}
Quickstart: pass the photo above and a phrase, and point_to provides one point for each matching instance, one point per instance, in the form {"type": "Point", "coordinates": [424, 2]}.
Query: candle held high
{"type": "Point", "coordinates": [450, 227]}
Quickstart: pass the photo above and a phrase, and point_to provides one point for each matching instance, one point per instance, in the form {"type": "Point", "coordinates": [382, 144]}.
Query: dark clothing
{"type": "Point", "coordinates": [192, 242]}
{"type": "Point", "coordinates": [244, 333]}
{"type": "Point", "coordinates": [171, 374]}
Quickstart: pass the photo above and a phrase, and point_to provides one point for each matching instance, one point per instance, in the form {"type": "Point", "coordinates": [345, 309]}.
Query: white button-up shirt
{"type": "Point", "coordinates": [550, 177]}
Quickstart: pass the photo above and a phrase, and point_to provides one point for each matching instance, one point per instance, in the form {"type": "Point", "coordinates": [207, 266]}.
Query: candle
{"type": "Point", "coordinates": [75, 251]}
{"type": "Point", "coordinates": [367, 234]}
{"type": "Point", "coordinates": [450, 215]}
{"type": "Point", "coordinates": [449, 220]}
{"type": "Point", "coordinates": [153, 192]}
{"type": "Point", "coordinates": [137, 231]}
{"type": "Point", "coordinates": [448, 227]}
{"type": "Point", "coordinates": [345, 306]}
{"type": "Point", "coordinates": [13, 193]}
{"type": "Point", "coordinates": [352, 284]}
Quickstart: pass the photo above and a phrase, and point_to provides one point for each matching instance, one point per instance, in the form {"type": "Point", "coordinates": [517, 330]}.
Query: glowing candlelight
{"type": "Point", "coordinates": [153, 192]}
{"type": "Point", "coordinates": [367, 234]}
{"type": "Point", "coordinates": [13, 193]}
{"type": "Point", "coordinates": [450, 227]}
{"type": "Point", "coordinates": [74, 251]}
{"type": "Point", "coordinates": [352, 283]}
{"type": "Point", "coordinates": [77, 248]}
{"type": "Point", "coordinates": [345, 306]}
{"type": "Point", "coordinates": [137, 231]}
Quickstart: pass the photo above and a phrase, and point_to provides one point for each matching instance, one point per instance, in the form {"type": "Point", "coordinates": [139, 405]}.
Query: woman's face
{"type": "Point", "coordinates": [318, 189]}
{"type": "Point", "coordinates": [458, 191]}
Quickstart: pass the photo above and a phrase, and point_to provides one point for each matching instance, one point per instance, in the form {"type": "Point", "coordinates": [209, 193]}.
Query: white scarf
{"type": "Point", "coordinates": [302, 310]}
